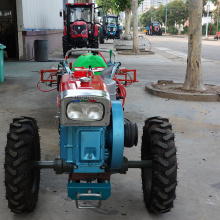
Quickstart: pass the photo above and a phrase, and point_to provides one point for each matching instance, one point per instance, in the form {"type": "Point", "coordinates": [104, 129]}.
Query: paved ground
{"type": "Point", "coordinates": [196, 126]}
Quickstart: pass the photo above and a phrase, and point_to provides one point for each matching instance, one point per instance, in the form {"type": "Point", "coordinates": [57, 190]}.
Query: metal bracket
{"type": "Point", "coordinates": [89, 194]}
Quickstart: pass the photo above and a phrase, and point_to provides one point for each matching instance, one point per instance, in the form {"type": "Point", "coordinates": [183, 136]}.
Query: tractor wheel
{"type": "Point", "coordinates": [101, 38]}
{"type": "Point", "coordinates": [65, 45]}
{"type": "Point", "coordinates": [22, 182]}
{"type": "Point", "coordinates": [159, 182]}
{"type": "Point", "coordinates": [96, 42]}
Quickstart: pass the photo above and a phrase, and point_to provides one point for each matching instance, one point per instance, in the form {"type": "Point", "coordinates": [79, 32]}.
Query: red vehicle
{"type": "Point", "coordinates": [217, 35]}
{"type": "Point", "coordinates": [155, 28]}
{"type": "Point", "coordinates": [80, 29]}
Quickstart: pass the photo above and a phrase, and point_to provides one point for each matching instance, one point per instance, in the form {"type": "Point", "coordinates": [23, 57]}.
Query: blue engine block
{"type": "Point", "coordinates": [90, 150]}
{"type": "Point", "coordinates": [84, 147]}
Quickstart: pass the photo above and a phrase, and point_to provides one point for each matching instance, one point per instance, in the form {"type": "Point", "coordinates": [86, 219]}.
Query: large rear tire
{"type": "Point", "coordinates": [22, 182]}
{"type": "Point", "coordinates": [96, 42]}
{"type": "Point", "coordinates": [101, 38]}
{"type": "Point", "coordinates": [159, 182]}
{"type": "Point", "coordinates": [65, 45]}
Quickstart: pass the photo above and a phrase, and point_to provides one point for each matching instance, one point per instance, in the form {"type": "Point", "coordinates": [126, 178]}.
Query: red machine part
{"type": "Point", "coordinates": [89, 176]}
{"type": "Point", "coordinates": [52, 79]}
{"type": "Point", "coordinates": [121, 83]}
{"type": "Point", "coordinates": [156, 28]}
{"type": "Point", "coordinates": [70, 81]}
{"type": "Point", "coordinates": [126, 73]}
{"type": "Point", "coordinates": [217, 35]}
{"type": "Point", "coordinates": [96, 33]}
{"type": "Point", "coordinates": [83, 34]}
{"type": "Point", "coordinates": [123, 77]}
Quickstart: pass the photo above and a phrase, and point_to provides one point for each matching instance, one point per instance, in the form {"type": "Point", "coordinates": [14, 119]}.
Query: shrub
{"type": "Point", "coordinates": [173, 30]}
{"type": "Point", "coordinates": [185, 30]}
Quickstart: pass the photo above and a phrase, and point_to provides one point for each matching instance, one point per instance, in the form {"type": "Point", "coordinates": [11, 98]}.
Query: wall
{"type": "Point", "coordinates": [42, 14]}
{"type": "Point", "coordinates": [38, 20]}
{"type": "Point", "coordinates": [54, 41]}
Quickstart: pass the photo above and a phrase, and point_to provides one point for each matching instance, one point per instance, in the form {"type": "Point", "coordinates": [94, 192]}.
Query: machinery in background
{"type": "Point", "coordinates": [80, 28]}
{"type": "Point", "coordinates": [154, 29]}
{"type": "Point", "coordinates": [110, 28]}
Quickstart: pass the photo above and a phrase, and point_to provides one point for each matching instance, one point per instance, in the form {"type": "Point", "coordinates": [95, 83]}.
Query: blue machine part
{"type": "Point", "coordinates": [75, 189]}
{"type": "Point", "coordinates": [84, 147]}
{"type": "Point", "coordinates": [117, 135]}
{"type": "Point", "coordinates": [111, 31]}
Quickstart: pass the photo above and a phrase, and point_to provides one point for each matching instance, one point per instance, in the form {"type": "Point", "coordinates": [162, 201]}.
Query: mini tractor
{"type": "Point", "coordinates": [93, 133]}
{"type": "Point", "coordinates": [80, 28]}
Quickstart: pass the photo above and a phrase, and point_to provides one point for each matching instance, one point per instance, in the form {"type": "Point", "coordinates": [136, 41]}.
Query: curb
{"type": "Point", "coordinates": [129, 52]}
{"type": "Point", "coordinates": [181, 96]}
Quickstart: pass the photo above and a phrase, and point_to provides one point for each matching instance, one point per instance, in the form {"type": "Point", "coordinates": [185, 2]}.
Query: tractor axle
{"type": "Point", "coordinates": [60, 166]}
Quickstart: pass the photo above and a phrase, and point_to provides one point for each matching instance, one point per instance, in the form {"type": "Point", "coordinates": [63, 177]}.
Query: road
{"type": "Point", "coordinates": [196, 126]}
{"type": "Point", "coordinates": [210, 48]}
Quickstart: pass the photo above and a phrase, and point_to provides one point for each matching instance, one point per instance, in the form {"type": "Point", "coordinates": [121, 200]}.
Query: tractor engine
{"type": "Point", "coordinates": [93, 134]}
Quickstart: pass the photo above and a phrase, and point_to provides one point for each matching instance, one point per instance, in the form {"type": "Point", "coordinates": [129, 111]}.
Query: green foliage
{"type": "Point", "coordinates": [213, 30]}
{"type": "Point", "coordinates": [121, 5]}
{"type": "Point", "coordinates": [145, 18]}
{"type": "Point", "coordinates": [185, 30]}
{"type": "Point", "coordinates": [160, 14]}
{"type": "Point", "coordinates": [108, 5]}
{"type": "Point", "coordinates": [173, 30]}
{"type": "Point", "coordinates": [214, 2]}
{"type": "Point", "coordinates": [177, 13]}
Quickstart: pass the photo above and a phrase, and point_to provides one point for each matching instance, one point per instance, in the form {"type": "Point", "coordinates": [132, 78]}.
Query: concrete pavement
{"type": "Point", "coordinates": [196, 126]}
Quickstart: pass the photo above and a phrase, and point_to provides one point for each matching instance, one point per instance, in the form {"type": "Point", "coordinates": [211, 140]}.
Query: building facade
{"type": "Point", "coordinates": [24, 21]}
{"type": "Point", "coordinates": [146, 4]}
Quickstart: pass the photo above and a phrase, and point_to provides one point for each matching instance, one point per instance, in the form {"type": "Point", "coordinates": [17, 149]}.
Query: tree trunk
{"type": "Point", "coordinates": [127, 20]}
{"type": "Point", "coordinates": [135, 25]}
{"type": "Point", "coordinates": [193, 79]}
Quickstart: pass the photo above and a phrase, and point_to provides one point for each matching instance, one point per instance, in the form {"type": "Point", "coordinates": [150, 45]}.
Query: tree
{"type": "Point", "coordinates": [193, 79]}
{"type": "Point", "coordinates": [145, 18]}
{"type": "Point", "coordinates": [177, 13]}
{"type": "Point", "coordinates": [135, 26]}
{"type": "Point", "coordinates": [124, 5]}
{"type": "Point", "coordinates": [160, 14]}
{"type": "Point", "coordinates": [108, 5]}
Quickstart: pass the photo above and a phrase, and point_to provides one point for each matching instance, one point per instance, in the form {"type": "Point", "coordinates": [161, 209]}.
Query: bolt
{"type": "Point", "coordinates": [90, 156]}
{"type": "Point", "coordinates": [102, 167]}
{"type": "Point", "coordinates": [89, 191]}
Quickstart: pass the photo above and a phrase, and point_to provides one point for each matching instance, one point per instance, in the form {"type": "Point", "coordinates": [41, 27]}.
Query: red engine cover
{"type": "Point", "coordinates": [77, 30]}
{"type": "Point", "coordinates": [69, 81]}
